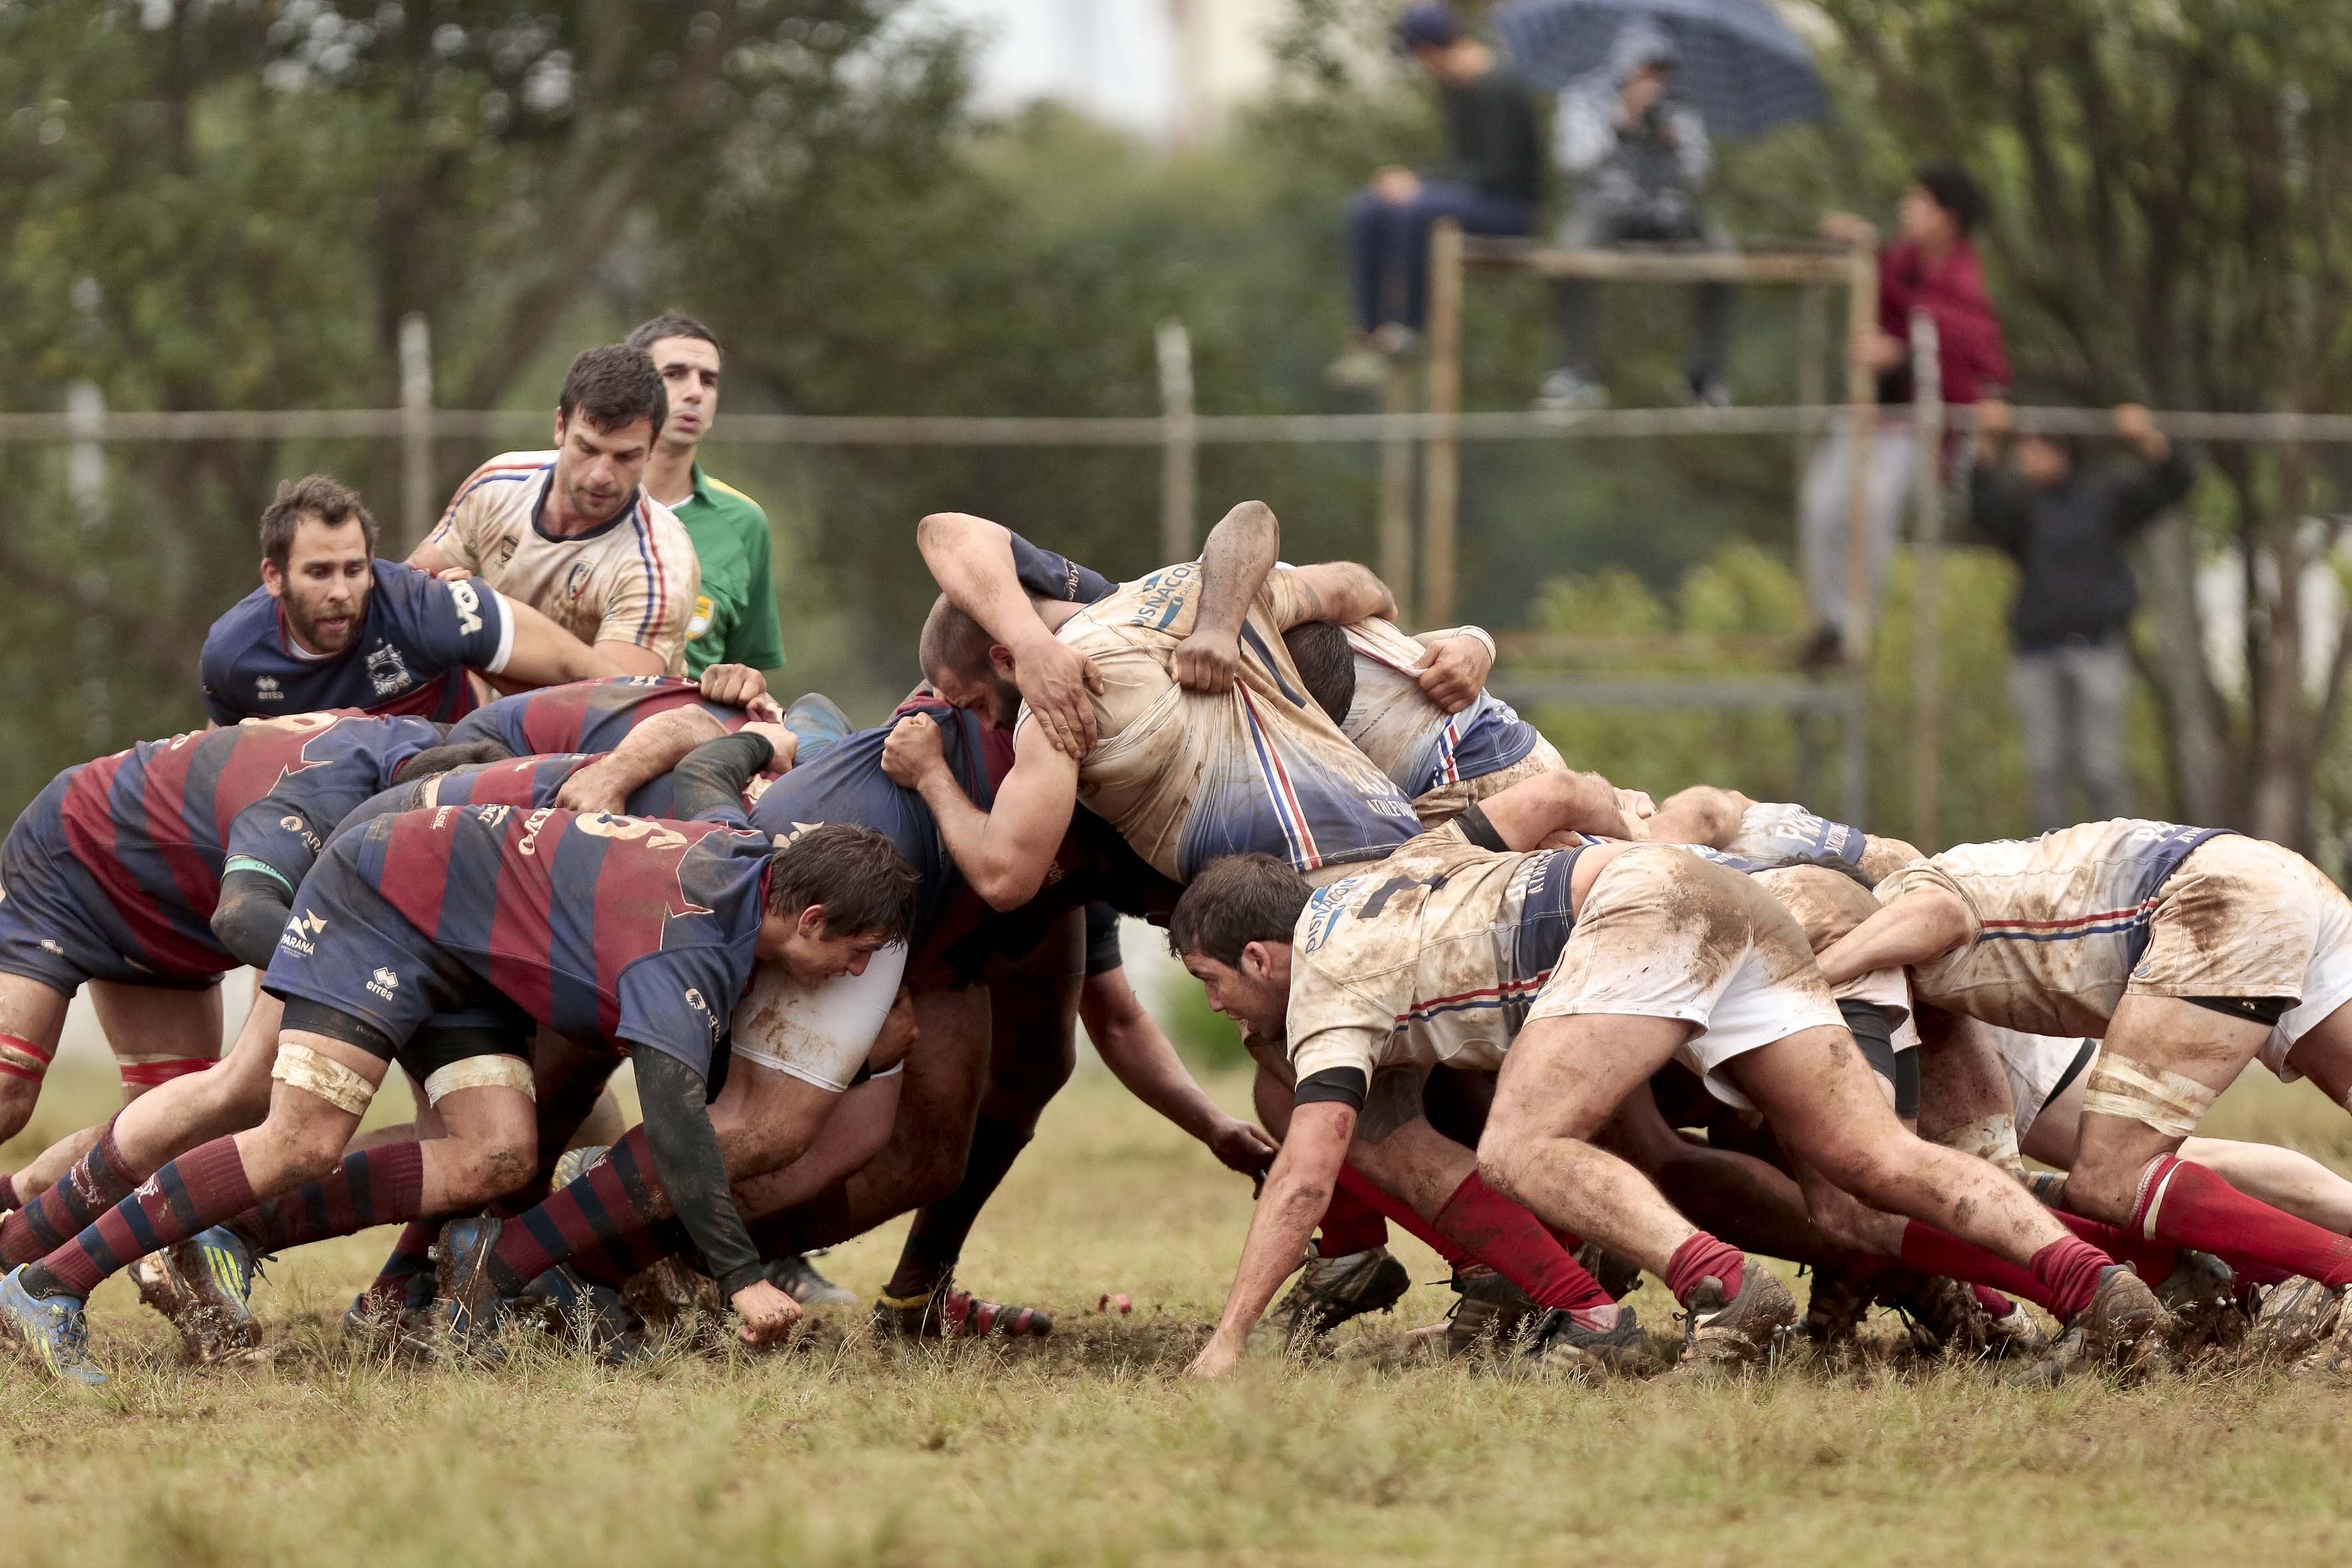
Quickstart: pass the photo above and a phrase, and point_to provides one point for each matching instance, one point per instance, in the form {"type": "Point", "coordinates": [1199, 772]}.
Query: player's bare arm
{"type": "Point", "coordinates": [972, 560]}
{"type": "Point", "coordinates": [651, 749]}
{"type": "Point", "coordinates": [1340, 592]}
{"type": "Point", "coordinates": [1455, 670]}
{"type": "Point", "coordinates": [632, 659]}
{"type": "Point", "coordinates": [1240, 550]}
{"type": "Point", "coordinates": [1296, 1193]}
{"type": "Point", "coordinates": [1533, 810]}
{"type": "Point", "coordinates": [1142, 1056]}
{"type": "Point", "coordinates": [1919, 926]}
{"type": "Point", "coordinates": [1005, 852]}
{"type": "Point", "coordinates": [544, 654]}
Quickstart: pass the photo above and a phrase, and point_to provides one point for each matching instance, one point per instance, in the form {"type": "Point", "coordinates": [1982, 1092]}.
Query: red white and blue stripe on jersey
{"type": "Point", "coordinates": [587, 715]}
{"type": "Point", "coordinates": [638, 514]}
{"type": "Point", "coordinates": [2150, 864]}
{"type": "Point", "coordinates": [1293, 805]}
{"type": "Point", "coordinates": [1484, 738]}
{"type": "Point", "coordinates": [623, 928]}
{"type": "Point", "coordinates": [153, 826]}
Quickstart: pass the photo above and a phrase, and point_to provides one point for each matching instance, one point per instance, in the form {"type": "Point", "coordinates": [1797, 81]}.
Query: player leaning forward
{"type": "Point", "coordinates": [1574, 975]}
{"type": "Point", "coordinates": [637, 931]}
{"type": "Point", "coordinates": [2190, 953]}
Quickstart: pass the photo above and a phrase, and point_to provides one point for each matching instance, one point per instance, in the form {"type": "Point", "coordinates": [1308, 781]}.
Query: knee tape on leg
{"type": "Point", "coordinates": [480, 1072]}
{"type": "Point", "coordinates": [313, 1072]}
{"type": "Point", "coordinates": [20, 1057]}
{"type": "Point", "coordinates": [1992, 1138]}
{"type": "Point", "coordinates": [147, 1072]}
{"type": "Point", "coordinates": [2151, 1096]}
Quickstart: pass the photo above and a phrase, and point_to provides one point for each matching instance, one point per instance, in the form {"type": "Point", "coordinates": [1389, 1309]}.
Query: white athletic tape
{"type": "Point", "coordinates": [480, 1072]}
{"type": "Point", "coordinates": [300, 1067]}
{"type": "Point", "coordinates": [2169, 1103]}
{"type": "Point", "coordinates": [1992, 1138]}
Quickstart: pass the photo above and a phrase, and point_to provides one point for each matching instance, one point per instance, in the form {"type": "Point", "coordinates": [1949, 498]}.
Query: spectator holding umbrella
{"type": "Point", "coordinates": [2070, 674]}
{"type": "Point", "coordinates": [1491, 186]}
{"type": "Point", "coordinates": [1639, 157]}
{"type": "Point", "coordinates": [1931, 267]}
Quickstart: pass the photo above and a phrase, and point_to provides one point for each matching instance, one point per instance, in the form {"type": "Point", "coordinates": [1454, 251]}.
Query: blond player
{"type": "Point", "coordinates": [572, 531]}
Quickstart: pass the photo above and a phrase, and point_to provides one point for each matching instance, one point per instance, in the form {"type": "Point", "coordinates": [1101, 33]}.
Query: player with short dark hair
{"type": "Point", "coordinates": [639, 932]}
{"type": "Point", "coordinates": [572, 531]}
{"type": "Point", "coordinates": [333, 626]}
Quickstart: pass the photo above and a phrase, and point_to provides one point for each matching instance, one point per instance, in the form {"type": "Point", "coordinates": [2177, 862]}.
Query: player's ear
{"type": "Point", "coordinates": [1001, 658]}
{"type": "Point", "coordinates": [810, 923]}
{"type": "Point", "coordinates": [272, 578]}
{"type": "Point", "coordinates": [559, 429]}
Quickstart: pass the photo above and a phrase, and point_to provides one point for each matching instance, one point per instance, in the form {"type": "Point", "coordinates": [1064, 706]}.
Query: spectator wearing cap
{"type": "Point", "coordinates": [1637, 157]}
{"type": "Point", "coordinates": [2070, 624]}
{"type": "Point", "coordinates": [1490, 185]}
{"type": "Point", "coordinates": [1930, 266]}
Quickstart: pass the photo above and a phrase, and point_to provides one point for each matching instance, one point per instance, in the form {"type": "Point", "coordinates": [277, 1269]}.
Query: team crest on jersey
{"type": "Point", "coordinates": [388, 671]}
{"type": "Point", "coordinates": [575, 582]}
{"type": "Point", "coordinates": [265, 690]}
{"type": "Point", "coordinates": [506, 549]}
{"type": "Point", "coordinates": [299, 930]}
{"type": "Point", "coordinates": [699, 622]}
{"type": "Point", "coordinates": [383, 982]}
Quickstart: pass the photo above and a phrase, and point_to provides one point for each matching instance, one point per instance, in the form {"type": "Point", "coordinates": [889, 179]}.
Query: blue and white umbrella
{"type": "Point", "coordinates": [1736, 61]}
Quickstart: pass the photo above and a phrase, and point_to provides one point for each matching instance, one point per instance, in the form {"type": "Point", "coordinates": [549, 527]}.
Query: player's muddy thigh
{"type": "Point", "coordinates": [853, 1135]}
{"type": "Point", "coordinates": [1961, 1080]}
{"type": "Point", "coordinates": [2155, 1034]}
{"type": "Point", "coordinates": [1560, 1083]}
{"type": "Point", "coordinates": [487, 1140]}
{"type": "Point", "coordinates": [765, 1118]}
{"type": "Point", "coordinates": [1402, 1155]}
{"type": "Point", "coordinates": [1828, 1111]}
{"type": "Point", "coordinates": [36, 1015]}
{"type": "Point", "coordinates": [1754, 1206]}
{"type": "Point", "coordinates": [304, 1136]}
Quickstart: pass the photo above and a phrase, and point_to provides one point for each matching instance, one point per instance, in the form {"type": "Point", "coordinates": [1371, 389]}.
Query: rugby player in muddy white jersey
{"type": "Point", "coordinates": [572, 532]}
{"type": "Point", "coordinates": [1182, 776]}
{"type": "Point", "coordinates": [1576, 975]}
{"type": "Point", "coordinates": [2191, 952]}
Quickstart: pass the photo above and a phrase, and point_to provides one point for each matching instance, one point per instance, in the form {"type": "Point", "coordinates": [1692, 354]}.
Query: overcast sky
{"type": "Point", "coordinates": [1110, 57]}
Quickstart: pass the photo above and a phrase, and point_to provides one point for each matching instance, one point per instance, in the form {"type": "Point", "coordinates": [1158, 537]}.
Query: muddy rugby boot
{"type": "Point", "coordinates": [2295, 1315]}
{"type": "Point", "coordinates": [1721, 1336]}
{"type": "Point", "coordinates": [204, 1288]}
{"type": "Point", "coordinates": [796, 1276]}
{"type": "Point", "coordinates": [1489, 1310]}
{"type": "Point", "coordinates": [1622, 1349]}
{"type": "Point", "coordinates": [52, 1328]}
{"type": "Point", "coordinates": [1836, 1309]}
{"type": "Point", "coordinates": [1941, 1315]}
{"type": "Point", "coordinates": [2124, 1327]}
{"type": "Point", "coordinates": [1330, 1291]}
{"type": "Point", "coordinates": [2202, 1294]}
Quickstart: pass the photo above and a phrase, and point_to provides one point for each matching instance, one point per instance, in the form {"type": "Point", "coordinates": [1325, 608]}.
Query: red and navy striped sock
{"type": "Point", "coordinates": [100, 1180]}
{"type": "Point", "coordinates": [618, 1195]}
{"type": "Point", "coordinates": [375, 1187]}
{"type": "Point", "coordinates": [198, 1190]}
{"type": "Point", "coordinates": [412, 1258]}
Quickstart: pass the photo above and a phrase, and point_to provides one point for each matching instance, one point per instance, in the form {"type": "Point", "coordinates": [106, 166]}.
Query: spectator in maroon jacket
{"type": "Point", "coordinates": [1929, 266]}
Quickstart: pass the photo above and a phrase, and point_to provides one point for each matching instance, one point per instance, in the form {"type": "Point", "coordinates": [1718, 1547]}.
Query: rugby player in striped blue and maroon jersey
{"type": "Point", "coordinates": [332, 627]}
{"type": "Point", "coordinates": [149, 874]}
{"type": "Point", "coordinates": [637, 933]}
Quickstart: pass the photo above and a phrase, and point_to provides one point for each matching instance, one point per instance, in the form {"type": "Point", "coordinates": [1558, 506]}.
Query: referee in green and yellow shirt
{"type": "Point", "coordinates": [734, 619]}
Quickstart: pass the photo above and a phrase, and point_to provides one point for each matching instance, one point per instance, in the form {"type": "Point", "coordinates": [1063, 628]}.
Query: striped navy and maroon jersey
{"type": "Point", "coordinates": [621, 928]}
{"type": "Point", "coordinates": [586, 715]}
{"type": "Point", "coordinates": [530, 783]}
{"type": "Point", "coordinates": [153, 825]}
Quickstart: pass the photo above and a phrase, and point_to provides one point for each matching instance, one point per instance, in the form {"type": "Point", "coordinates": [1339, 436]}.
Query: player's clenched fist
{"type": "Point", "coordinates": [912, 751]}
{"type": "Point", "coordinates": [737, 686]}
{"type": "Point", "coordinates": [1206, 661]}
{"type": "Point", "coordinates": [1456, 672]}
{"type": "Point", "coordinates": [769, 1315]}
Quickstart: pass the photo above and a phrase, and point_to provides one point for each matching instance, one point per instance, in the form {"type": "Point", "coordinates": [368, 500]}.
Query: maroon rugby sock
{"type": "Point", "coordinates": [198, 1190]}
{"type": "Point", "coordinates": [1940, 1253]}
{"type": "Point", "coordinates": [2185, 1203]}
{"type": "Point", "coordinates": [412, 1256]}
{"type": "Point", "coordinates": [1702, 1258]}
{"type": "Point", "coordinates": [1505, 1238]}
{"type": "Point", "coordinates": [2068, 1272]}
{"type": "Point", "coordinates": [98, 1180]}
{"type": "Point", "coordinates": [1350, 1222]}
{"type": "Point", "coordinates": [375, 1187]}
{"type": "Point", "coordinates": [618, 1195]}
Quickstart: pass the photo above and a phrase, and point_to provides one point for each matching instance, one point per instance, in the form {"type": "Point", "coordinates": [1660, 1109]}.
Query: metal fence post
{"type": "Point", "coordinates": [1180, 450]}
{"type": "Point", "coordinates": [1926, 655]}
{"type": "Point", "coordinates": [416, 498]}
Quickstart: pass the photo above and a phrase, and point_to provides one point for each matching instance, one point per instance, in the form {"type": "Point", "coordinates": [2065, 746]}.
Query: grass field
{"type": "Point", "coordinates": [1089, 1449]}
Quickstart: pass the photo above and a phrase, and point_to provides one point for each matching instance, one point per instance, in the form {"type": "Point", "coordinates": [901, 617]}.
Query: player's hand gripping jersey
{"type": "Point", "coordinates": [114, 871]}
{"type": "Point", "coordinates": [1428, 754]}
{"type": "Point", "coordinates": [1186, 778]}
{"type": "Point", "coordinates": [623, 928]}
{"type": "Point", "coordinates": [410, 656]}
{"type": "Point", "coordinates": [633, 580]}
{"type": "Point", "coordinates": [587, 715]}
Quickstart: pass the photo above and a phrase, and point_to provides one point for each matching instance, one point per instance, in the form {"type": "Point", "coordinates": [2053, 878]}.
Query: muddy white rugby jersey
{"type": "Point", "coordinates": [2057, 922]}
{"type": "Point", "coordinates": [633, 580]}
{"type": "Point", "coordinates": [1774, 832]}
{"type": "Point", "coordinates": [1188, 776]}
{"type": "Point", "coordinates": [1419, 745]}
{"type": "Point", "coordinates": [1433, 956]}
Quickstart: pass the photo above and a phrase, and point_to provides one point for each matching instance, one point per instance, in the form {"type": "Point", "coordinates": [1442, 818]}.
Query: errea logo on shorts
{"type": "Point", "coordinates": [383, 982]}
{"type": "Point", "coordinates": [296, 937]}
{"type": "Point", "coordinates": [694, 1000]}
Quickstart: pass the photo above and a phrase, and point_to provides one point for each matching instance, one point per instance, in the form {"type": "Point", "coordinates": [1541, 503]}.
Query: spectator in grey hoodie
{"type": "Point", "coordinates": [1636, 159]}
